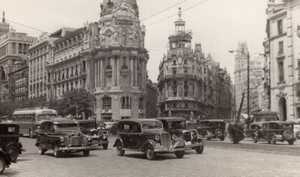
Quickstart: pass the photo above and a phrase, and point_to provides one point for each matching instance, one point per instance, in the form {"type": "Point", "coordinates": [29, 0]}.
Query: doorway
{"type": "Point", "coordinates": [282, 109]}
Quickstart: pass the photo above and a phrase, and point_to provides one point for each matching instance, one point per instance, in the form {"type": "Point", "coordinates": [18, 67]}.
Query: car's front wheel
{"type": "Point", "coordinates": [150, 154]}
{"type": "Point", "coordinates": [14, 152]}
{"type": "Point", "coordinates": [105, 146]}
{"type": "Point", "coordinates": [86, 153]}
{"type": "Point", "coordinates": [199, 149]}
{"type": "Point", "coordinates": [179, 154]}
{"type": "Point", "coordinates": [222, 138]}
{"type": "Point", "coordinates": [2, 165]}
{"type": "Point", "coordinates": [42, 151]}
{"type": "Point", "coordinates": [56, 152]}
{"type": "Point", "coordinates": [291, 142]}
{"type": "Point", "coordinates": [120, 150]}
{"type": "Point", "coordinates": [273, 139]}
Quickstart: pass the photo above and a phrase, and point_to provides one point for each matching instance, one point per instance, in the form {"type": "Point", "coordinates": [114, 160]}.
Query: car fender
{"type": "Point", "coordinates": [119, 140]}
{"type": "Point", "coordinates": [13, 144]}
{"type": "Point", "coordinates": [147, 143]}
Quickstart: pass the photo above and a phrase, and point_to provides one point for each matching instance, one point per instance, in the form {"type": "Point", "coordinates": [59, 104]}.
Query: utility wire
{"type": "Point", "coordinates": [26, 26]}
{"type": "Point", "coordinates": [202, 2]}
{"type": "Point", "coordinates": [163, 10]}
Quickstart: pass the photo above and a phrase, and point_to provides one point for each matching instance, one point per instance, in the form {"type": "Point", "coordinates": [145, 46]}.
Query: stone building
{"type": "Point", "coordinates": [13, 49]}
{"type": "Point", "coordinates": [283, 50]}
{"type": "Point", "coordinates": [152, 99]}
{"type": "Point", "coordinates": [256, 72]}
{"type": "Point", "coordinates": [39, 57]}
{"type": "Point", "coordinates": [18, 82]}
{"type": "Point", "coordinates": [119, 61]}
{"type": "Point", "coordinates": [189, 84]}
{"type": "Point", "coordinates": [107, 58]}
{"type": "Point", "coordinates": [66, 67]}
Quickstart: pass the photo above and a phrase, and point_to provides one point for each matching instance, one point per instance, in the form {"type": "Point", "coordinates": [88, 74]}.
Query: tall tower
{"type": "Point", "coordinates": [120, 62]}
{"type": "Point", "coordinates": [4, 27]}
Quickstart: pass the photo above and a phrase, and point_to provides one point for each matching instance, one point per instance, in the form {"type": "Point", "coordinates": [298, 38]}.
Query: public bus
{"type": "Point", "coordinates": [30, 119]}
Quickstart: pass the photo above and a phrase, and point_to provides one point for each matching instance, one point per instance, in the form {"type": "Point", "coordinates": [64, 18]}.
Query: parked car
{"type": "Point", "coordinates": [177, 127]}
{"type": "Point", "coordinates": [89, 128]}
{"type": "Point", "coordinates": [62, 136]}
{"type": "Point", "coordinates": [5, 160]}
{"type": "Point", "coordinates": [147, 136]}
{"type": "Point", "coordinates": [9, 140]}
{"type": "Point", "coordinates": [274, 131]}
{"type": "Point", "coordinates": [212, 128]}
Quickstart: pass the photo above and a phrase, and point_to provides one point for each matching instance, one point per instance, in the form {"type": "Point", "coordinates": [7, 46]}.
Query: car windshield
{"type": "Point", "coordinates": [152, 125]}
{"type": "Point", "coordinates": [177, 125]}
{"type": "Point", "coordinates": [46, 117]}
{"type": "Point", "coordinates": [65, 127]}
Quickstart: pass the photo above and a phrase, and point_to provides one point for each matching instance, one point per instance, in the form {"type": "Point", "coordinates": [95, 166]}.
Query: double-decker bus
{"type": "Point", "coordinates": [30, 119]}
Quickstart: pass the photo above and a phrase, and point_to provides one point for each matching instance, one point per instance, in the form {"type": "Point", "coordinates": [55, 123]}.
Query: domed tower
{"type": "Point", "coordinates": [120, 61]}
{"type": "Point", "coordinates": [179, 83]}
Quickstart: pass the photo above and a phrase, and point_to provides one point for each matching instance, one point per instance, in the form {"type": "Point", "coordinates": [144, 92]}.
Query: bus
{"type": "Point", "coordinates": [30, 119]}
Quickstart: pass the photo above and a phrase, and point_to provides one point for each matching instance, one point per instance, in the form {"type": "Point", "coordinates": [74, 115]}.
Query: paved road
{"type": "Point", "coordinates": [218, 159]}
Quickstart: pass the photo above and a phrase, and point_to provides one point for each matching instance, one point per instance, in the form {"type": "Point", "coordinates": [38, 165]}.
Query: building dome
{"type": "Point", "coordinates": [110, 6]}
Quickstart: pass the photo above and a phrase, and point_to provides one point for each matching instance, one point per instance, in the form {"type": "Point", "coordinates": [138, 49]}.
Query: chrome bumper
{"type": "Point", "coordinates": [81, 148]}
{"type": "Point", "coordinates": [189, 145]}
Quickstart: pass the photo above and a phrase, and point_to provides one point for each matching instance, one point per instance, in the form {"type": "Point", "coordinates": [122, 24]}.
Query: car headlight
{"type": "Point", "coordinates": [157, 137]}
{"type": "Point", "coordinates": [174, 137]}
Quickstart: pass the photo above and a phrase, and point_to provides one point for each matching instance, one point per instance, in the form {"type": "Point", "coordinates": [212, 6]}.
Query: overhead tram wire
{"type": "Point", "coordinates": [202, 2]}
{"type": "Point", "coordinates": [26, 26]}
{"type": "Point", "coordinates": [163, 10]}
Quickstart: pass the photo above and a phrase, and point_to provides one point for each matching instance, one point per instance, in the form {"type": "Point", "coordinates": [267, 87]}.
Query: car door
{"type": "Point", "coordinates": [135, 136]}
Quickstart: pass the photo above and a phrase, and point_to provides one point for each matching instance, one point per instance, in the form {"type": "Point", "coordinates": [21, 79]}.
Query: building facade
{"type": "Point", "coordinates": [39, 57]}
{"type": "Point", "coordinates": [13, 49]}
{"type": "Point", "coordinates": [152, 100]}
{"type": "Point", "coordinates": [284, 52]}
{"type": "Point", "coordinates": [190, 85]}
{"type": "Point", "coordinates": [256, 65]}
{"type": "Point", "coordinates": [119, 60]}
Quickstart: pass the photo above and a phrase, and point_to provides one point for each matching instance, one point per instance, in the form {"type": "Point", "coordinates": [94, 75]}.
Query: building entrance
{"type": "Point", "coordinates": [282, 109]}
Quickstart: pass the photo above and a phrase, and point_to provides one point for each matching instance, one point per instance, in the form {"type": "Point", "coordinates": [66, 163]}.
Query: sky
{"type": "Point", "coordinates": [219, 25]}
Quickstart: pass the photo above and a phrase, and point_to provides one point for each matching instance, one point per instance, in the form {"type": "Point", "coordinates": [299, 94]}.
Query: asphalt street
{"type": "Point", "coordinates": [219, 159]}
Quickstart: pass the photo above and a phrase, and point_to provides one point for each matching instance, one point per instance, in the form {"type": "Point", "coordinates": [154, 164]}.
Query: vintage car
{"type": "Point", "coordinates": [212, 128]}
{"type": "Point", "coordinates": [274, 131]}
{"type": "Point", "coordinates": [89, 128]}
{"type": "Point", "coordinates": [147, 136]}
{"type": "Point", "coordinates": [177, 127]}
{"type": "Point", "coordinates": [9, 140]}
{"type": "Point", "coordinates": [5, 160]}
{"type": "Point", "coordinates": [62, 136]}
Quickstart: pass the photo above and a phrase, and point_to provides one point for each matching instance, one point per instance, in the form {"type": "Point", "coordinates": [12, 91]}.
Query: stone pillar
{"type": "Point", "coordinates": [113, 72]}
{"type": "Point", "coordinates": [131, 71]}
{"type": "Point", "coordinates": [118, 70]}
{"type": "Point", "coordinates": [96, 73]}
{"type": "Point", "coordinates": [135, 71]}
{"type": "Point", "coordinates": [102, 72]}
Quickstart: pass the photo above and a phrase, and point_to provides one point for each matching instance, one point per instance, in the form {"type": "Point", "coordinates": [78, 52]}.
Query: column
{"type": "Point", "coordinates": [135, 71]}
{"type": "Point", "coordinates": [96, 74]}
{"type": "Point", "coordinates": [113, 72]}
{"type": "Point", "coordinates": [101, 72]}
{"type": "Point", "coordinates": [118, 70]}
{"type": "Point", "coordinates": [131, 71]}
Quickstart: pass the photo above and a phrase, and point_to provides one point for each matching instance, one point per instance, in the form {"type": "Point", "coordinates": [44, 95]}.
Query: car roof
{"type": "Point", "coordinates": [139, 120]}
{"type": "Point", "coordinates": [61, 121]}
{"type": "Point", "coordinates": [278, 122]}
{"type": "Point", "coordinates": [264, 113]}
{"type": "Point", "coordinates": [212, 120]}
{"type": "Point", "coordinates": [84, 121]}
{"type": "Point", "coordinates": [172, 119]}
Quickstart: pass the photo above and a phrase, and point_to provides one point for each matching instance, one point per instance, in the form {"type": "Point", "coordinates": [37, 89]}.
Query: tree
{"type": "Point", "coordinates": [75, 102]}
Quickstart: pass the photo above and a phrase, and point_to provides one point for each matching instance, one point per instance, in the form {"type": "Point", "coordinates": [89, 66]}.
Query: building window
{"type": "Point", "coordinates": [298, 112]}
{"type": "Point", "coordinates": [141, 103]}
{"type": "Point", "coordinates": [174, 72]}
{"type": "Point", "coordinates": [174, 62]}
{"type": "Point", "coordinates": [185, 61]}
{"type": "Point", "coordinates": [125, 102]}
{"type": "Point", "coordinates": [279, 26]}
{"type": "Point", "coordinates": [185, 71]}
{"type": "Point", "coordinates": [281, 71]}
{"type": "Point", "coordinates": [106, 103]}
{"type": "Point", "coordinates": [280, 48]}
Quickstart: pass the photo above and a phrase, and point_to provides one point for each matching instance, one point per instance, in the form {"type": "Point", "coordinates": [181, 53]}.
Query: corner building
{"type": "Point", "coordinates": [190, 85]}
{"type": "Point", "coordinates": [119, 61]}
